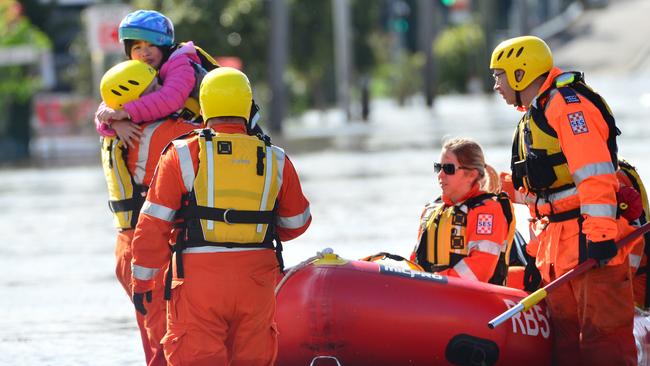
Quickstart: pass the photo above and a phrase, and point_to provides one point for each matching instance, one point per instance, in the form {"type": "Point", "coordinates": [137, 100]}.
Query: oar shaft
{"type": "Point", "coordinates": [506, 315]}
{"type": "Point", "coordinates": [539, 295]}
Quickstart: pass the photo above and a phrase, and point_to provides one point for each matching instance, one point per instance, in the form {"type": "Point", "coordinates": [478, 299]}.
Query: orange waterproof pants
{"type": "Point", "coordinates": [223, 311]}
{"type": "Point", "coordinates": [592, 315]}
{"type": "Point", "coordinates": [152, 326]}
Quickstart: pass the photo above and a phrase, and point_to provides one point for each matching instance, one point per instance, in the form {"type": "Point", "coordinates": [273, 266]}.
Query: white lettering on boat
{"type": "Point", "coordinates": [405, 272]}
{"type": "Point", "coordinates": [532, 322]}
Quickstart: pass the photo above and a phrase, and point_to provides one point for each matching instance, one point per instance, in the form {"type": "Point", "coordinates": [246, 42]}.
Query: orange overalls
{"type": "Point", "coordinates": [592, 315]}
{"type": "Point", "coordinates": [222, 310]}
{"type": "Point", "coordinates": [141, 163]}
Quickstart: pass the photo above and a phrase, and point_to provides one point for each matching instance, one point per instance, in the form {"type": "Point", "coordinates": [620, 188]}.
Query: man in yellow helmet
{"type": "Point", "coordinates": [232, 196]}
{"type": "Point", "coordinates": [563, 166]}
{"type": "Point", "coordinates": [128, 168]}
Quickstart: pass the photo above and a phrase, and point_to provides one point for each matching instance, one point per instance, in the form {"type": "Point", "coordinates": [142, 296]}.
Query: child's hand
{"type": "Point", "coordinates": [127, 132]}
{"type": "Point", "coordinates": [108, 113]}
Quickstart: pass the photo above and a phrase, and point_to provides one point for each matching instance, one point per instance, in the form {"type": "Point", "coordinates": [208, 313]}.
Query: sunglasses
{"type": "Point", "coordinates": [448, 168]}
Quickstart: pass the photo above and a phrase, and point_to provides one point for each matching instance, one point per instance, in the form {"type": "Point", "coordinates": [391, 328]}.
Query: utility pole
{"type": "Point", "coordinates": [278, 51]}
{"type": "Point", "coordinates": [342, 53]}
{"type": "Point", "coordinates": [426, 35]}
{"type": "Point", "coordinates": [523, 17]}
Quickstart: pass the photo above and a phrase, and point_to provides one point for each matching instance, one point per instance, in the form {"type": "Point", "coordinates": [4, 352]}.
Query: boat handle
{"type": "Point", "coordinates": [324, 358]}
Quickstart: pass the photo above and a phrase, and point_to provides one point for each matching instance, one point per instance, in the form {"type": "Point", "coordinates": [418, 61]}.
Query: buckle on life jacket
{"type": "Point", "coordinates": [225, 216]}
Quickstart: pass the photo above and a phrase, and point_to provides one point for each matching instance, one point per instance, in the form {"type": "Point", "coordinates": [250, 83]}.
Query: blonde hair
{"type": "Point", "coordinates": [470, 155]}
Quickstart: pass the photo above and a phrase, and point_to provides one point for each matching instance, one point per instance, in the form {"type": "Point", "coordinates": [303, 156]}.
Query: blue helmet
{"type": "Point", "coordinates": [147, 25]}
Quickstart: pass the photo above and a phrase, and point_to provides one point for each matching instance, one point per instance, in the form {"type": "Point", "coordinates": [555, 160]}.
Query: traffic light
{"type": "Point", "coordinates": [448, 3]}
{"type": "Point", "coordinates": [399, 25]}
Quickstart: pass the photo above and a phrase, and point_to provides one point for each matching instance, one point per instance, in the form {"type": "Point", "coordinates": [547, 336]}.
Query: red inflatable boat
{"type": "Point", "coordinates": [355, 313]}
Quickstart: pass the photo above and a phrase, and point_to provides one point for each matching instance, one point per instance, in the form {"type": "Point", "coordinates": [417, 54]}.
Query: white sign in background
{"type": "Point", "coordinates": [102, 22]}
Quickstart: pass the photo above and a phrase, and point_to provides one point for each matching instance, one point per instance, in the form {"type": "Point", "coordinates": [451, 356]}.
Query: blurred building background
{"type": "Point", "coordinates": [301, 56]}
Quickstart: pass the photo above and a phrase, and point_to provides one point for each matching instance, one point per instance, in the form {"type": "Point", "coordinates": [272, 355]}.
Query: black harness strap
{"type": "Point", "coordinates": [229, 216]}
{"type": "Point", "coordinates": [582, 241]}
{"type": "Point", "coordinates": [565, 216]}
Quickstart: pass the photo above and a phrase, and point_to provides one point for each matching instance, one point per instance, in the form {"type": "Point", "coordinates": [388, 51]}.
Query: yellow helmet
{"type": "Point", "coordinates": [125, 82]}
{"type": "Point", "coordinates": [528, 54]}
{"type": "Point", "coordinates": [225, 92]}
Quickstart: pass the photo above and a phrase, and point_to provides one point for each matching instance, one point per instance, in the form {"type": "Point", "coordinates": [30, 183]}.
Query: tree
{"type": "Point", "coordinates": [18, 82]}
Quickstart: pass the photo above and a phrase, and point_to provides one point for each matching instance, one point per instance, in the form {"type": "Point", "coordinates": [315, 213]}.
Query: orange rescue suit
{"type": "Point", "coordinates": [564, 161]}
{"type": "Point", "coordinates": [222, 309]}
{"type": "Point", "coordinates": [137, 164]}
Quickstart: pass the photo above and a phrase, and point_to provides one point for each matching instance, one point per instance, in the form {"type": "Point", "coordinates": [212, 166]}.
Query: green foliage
{"type": "Point", "coordinates": [397, 73]}
{"type": "Point", "coordinates": [458, 53]}
{"type": "Point", "coordinates": [18, 82]}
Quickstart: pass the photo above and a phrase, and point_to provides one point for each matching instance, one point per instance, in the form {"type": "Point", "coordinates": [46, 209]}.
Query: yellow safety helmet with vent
{"type": "Point", "coordinates": [225, 92]}
{"type": "Point", "coordinates": [529, 54]}
{"type": "Point", "coordinates": [125, 82]}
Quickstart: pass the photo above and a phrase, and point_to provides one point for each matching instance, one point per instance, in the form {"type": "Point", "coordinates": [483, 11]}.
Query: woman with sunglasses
{"type": "Point", "coordinates": [468, 230]}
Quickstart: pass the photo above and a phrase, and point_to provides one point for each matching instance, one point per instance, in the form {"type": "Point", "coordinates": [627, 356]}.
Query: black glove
{"type": "Point", "coordinates": [532, 277]}
{"type": "Point", "coordinates": [602, 251]}
{"type": "Point", "coordinates": [138, 301]}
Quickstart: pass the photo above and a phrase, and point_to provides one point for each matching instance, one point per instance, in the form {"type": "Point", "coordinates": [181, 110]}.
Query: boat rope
{"type": "Point", "coordinates": [299, 266]}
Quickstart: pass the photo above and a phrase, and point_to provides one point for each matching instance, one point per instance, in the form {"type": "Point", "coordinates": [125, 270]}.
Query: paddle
{"type": "Point", "coordinates": [539, 295]}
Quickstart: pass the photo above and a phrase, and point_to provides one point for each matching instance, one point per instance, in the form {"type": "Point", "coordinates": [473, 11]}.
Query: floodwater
{"type": "Point", "coordinates": [61, 304]}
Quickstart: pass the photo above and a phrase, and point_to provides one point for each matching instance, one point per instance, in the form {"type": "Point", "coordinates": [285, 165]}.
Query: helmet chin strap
{"type": "Point", "coordinates": [518, 99]}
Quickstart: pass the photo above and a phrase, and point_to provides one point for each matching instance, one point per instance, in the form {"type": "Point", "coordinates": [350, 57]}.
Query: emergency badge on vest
{"type": "Point", "coordinates": [408, 273]}
{"type": "Point", "coordinates": [578, 123]}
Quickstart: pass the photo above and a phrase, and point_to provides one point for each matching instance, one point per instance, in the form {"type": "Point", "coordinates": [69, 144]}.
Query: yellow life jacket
{"type": "Point", "coordinates": [191, 111]}
{"type": "Point", "coordinates": [635, 179]}
{"type": "Point", "coordinates": [538, 163]}
{"type": "Point", "coordinates": [125, 197]}
{"type": "Point", "coordinates": [443, 243]}
{"type": "Point", "coordinates": [233, 196]}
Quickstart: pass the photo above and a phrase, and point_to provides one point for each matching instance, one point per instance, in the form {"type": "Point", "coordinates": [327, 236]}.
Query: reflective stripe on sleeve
{"type": "Point", "coordinates": [294, 222]}
{"type": "Point", "coordinates": [590, 170]}
{"type": "Point", "coordinates": [143, 151]}
{"type": "Point", "coordinates": [485, 246]}
{"type": "Point", "coordinates": [158, 211]}
{"type": "Point", "coordinates": [185, 160]}
{"type": "Point", "coordinates": [143, 273]}
{"type": "Point", "coordinates": [464, 271]}
{"type": "Point", "coordinates": [599, 210]}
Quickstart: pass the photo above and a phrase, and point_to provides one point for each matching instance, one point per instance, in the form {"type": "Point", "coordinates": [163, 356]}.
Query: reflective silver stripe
{"type": "Point", "coordinates": [635, 260]}
{"type": "Point", "coordinates": [213, 249]}
{"type": "Point", "coordinates": [590, 170]}
{"type": "Point", "coordinates": [119, 178]}
{"type": "Point", "coordinates": [464, 271]}
{"type": "Point", "coordinates": [486, 246]}
{"type": "Point", "coordinates": [187, 168]}
{"type": "Point", "coordinates": [294, 222]}
{"type": "Point", "coordinates": [554, 197]}
{"type": "Point", "coordinates": [210, 161]}
{"type": "Point", "coordinates": [599, 210]}
{"type": "Point", "coordinates": [143, 273]}
{"type": "Point", "coordinates": [143, 151]}
{"type": "Point", "coordinates": [158, 211]}
{"type": "Point", "coordinates": [279, 158]}
{"type": "Point", "coordinates": [267, 183]}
